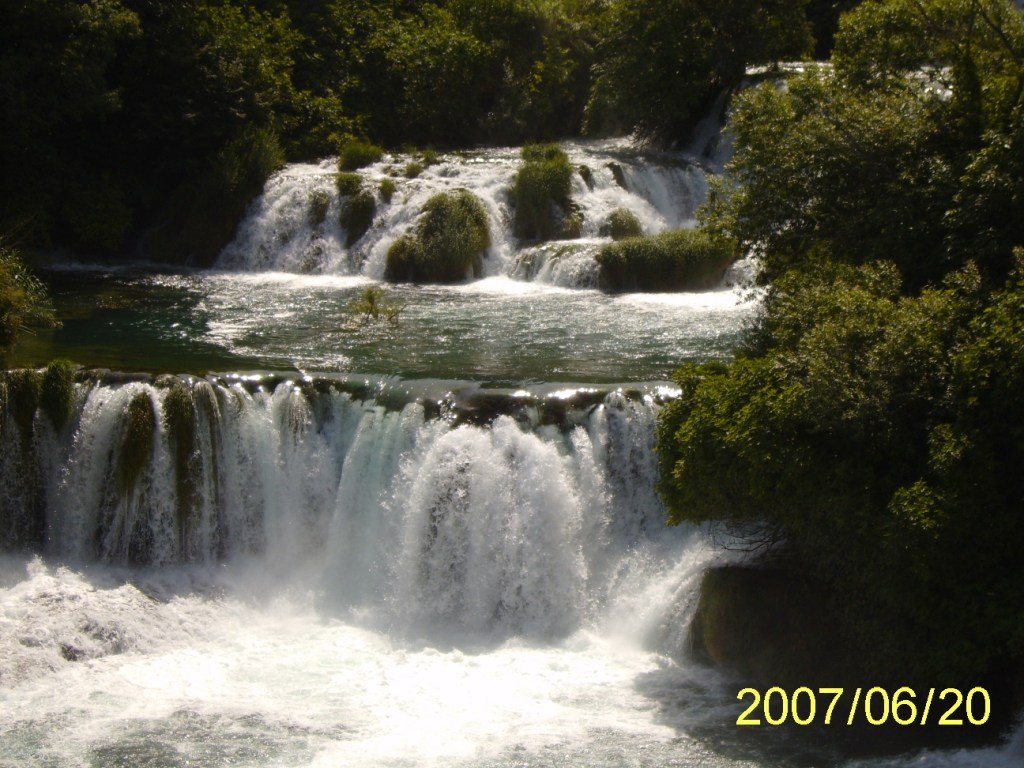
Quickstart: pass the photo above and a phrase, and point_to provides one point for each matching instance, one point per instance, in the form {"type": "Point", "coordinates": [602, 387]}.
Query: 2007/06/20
{"type": "Point", "coordinates": [878, 706]}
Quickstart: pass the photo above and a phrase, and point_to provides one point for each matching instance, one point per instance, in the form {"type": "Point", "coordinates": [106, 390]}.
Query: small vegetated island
{"type": "Point", "coordinates": [462, 201]}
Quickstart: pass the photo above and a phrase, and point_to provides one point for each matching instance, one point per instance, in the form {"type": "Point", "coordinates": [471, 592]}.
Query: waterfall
{"type": "Point", "coordinates": [295, 225]}
{"type": "Point", "coordinates": [489, 511]}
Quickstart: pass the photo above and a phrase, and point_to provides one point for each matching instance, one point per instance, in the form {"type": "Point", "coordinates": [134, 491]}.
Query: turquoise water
{"type": "Point", "coordinates": [498, 330]}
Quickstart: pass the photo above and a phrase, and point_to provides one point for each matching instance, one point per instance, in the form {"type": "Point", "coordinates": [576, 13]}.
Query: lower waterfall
{"type": "Point", "coordinates": [268, 570]}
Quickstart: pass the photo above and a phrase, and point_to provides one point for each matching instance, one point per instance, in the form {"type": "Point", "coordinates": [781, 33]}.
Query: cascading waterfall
{"type": "Point", "coordinates": [295, 225]}
{"type": "Point", "coordinates": [494, 512]}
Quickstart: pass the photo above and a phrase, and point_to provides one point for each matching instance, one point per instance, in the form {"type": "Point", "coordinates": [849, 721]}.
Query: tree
{"type": "Point", "coordinates": [902, 150]}
{"type": "Point", "coordinates": [662, 64]}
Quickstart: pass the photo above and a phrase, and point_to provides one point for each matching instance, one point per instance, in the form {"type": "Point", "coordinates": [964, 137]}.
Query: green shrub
{"type": "Point", "coordinates": [375, 304]}
{"type": "Point", "coordinates": [429, 157]}
{"type": "Point", "coordinates": [357, 216]}
{"type": "Point", "coordinates": [449, 242]}
{"type": "Point", "coordinates": [24, 302]}
{"type": "Point", "coordinates": [136, 442]}
{"type": "Point", "coordinates": [541, 192]}
{"type": "Point", "coordinates": [57, 392]}
{"type": "Point", "coordinates": [622, 224]}
{"type": "Point", "coordinates": [356, 154]}
{"type": "Point", "coordinates": [413, 169]}
{"type": "Point", "coordinates": [682, 260]}
{"type": "Point", "coordinates": [348, 183]}
{"type": "Point", "coordinates": [388, 187]}
{"type": "Point", "coordinates": [319, 203]}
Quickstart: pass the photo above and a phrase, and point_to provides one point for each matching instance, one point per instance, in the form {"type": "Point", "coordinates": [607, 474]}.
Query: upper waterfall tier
{"type": "Point", "coordinates": [295, 226]}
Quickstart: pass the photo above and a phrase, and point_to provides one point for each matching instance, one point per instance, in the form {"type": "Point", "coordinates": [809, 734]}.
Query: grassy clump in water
{"type": "Point", "coordinates": [180, 422]}
{"type": "Point", "coordinates": [356, 154]}
{"type": "Point", "coordinates": [449, 242]}
{"type": "Point", "coordinates": [683, 260]}
{"type": "Point", "coordinates": [375, 304]}
{"type": "Point", "coordinates": [57, 392]}
{"type": "Point", "coordinates": [541, 192]}
{"type": "Point", "coordinates": [357, 216]}
{"type": "Point", "coordinates": [319, 203]}
{"type": "Point", "coordinates": [622, 224]}
{"type": "Point", "coordinates": [136, 442]}
{"type": "Point", "coordinates": [388, 187]}
{"type": "Point", "coordinates": [413, 169]}
{"type": "Point", "coordinates": [348, 183]}
{"type": "Point", "coordinates": [358, 210]}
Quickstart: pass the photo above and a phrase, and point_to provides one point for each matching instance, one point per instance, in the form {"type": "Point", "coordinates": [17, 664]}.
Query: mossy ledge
{"type": "Point", "coordinates": [57, 392]}
{"type": "Point", "coordinates": [24, 388]}
{"type": "Point", "coordinates": [682, 260]}
{"type": "Point", "coordinates": [448, 244]}
{"type": "Point", "coordinates": [179, 420]}
{"type": "Point", "coordinates": [136, 442]}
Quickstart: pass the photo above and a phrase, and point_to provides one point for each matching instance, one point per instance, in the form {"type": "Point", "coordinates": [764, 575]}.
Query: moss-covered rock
{"type": "Point", "coordinates": [57, 392]}
{"type": "Point", "coordinates": [388, 187]}
{"type": "Point", "coordinates": [179, 420]}
{"type": "Point", "coordinates": [618, 174]}
{"type": "Point", "coordinates": [136, 447]}
{"type": "Point", "coordinates": [413, 169]}
{"type": "Point", "coordinates": [622, 223]}
{"type": "Point", "coordinates": [449, 242]}
{"type": "Point", "coordinates": [771, 627]}
{"type": "Point", "coordinates": [682, 260]}
{"type": "Point", "coordinates": [572, 224]}
{"type": "Point", "coordinates": [357, 214]}
{"type": "Point", "coordinates": [24, 388]}
{"type": "Point", "coordinates": [541, 192]}
{"type": "Point", "coordinates": [319, 204]}
{"type": "Point", "coordinates": [356, 153]}
{"type": "Point", "coordinates": [587, 175]}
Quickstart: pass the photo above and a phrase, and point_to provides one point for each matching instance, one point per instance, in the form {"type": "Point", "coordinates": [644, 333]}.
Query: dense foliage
{"type": "Point", "coordinates": [663, 64]}
{"type": "Point", "coordinates": [872, 430]}
{"type": "Point", "coordinates": [24, 303]}
{"type": "Point", "coordinates": [143, 126]}
{"type": "Point", "coordinates": [679, 260]}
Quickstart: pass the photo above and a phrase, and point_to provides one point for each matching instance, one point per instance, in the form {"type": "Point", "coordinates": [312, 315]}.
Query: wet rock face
{"type": "Point", "coordinates": [771, 627]}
